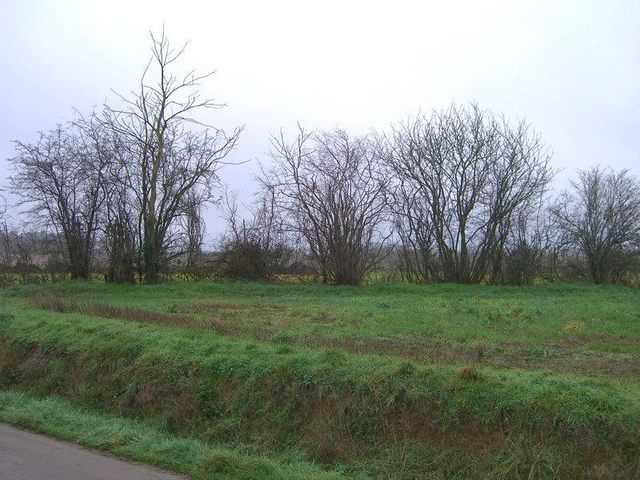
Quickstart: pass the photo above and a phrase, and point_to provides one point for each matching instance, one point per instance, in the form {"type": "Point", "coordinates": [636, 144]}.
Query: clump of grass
{"type": "Point", "coordinates": [470, 374]}
{"type": "Point", "coordinates": [518, 312]}
{"type": "Point", "coordinates": [524, 459]}
{"type": "Point", "coordinates": [493, 315]}
{"type": "Point", "coordinates": [481, 301]}
{"type": "Point", "coordinates": [574, 326]}
{"type": "Point", "coordinates": [405, 369]}
{"type": "Point", "coordinates": [219, 463]}
{"type": "Point", "coordinates": [441, 303]}
{"type": "Point", "coordinates": [480, 349]}
{"type": "Point", "coordinates": [542, 351]}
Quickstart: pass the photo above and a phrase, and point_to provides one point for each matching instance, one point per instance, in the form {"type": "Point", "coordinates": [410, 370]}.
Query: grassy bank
{"type": "Point", "coordinates": [144, 442]}
{"type": "Point", "coordinates": [194, 374]}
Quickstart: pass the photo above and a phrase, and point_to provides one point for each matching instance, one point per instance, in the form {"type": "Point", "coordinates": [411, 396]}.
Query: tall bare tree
{"type": "Point", "coordinates": [167, 160]}
{"type": "Point", "coordinates": [329, 189]}
{"type": "Point", "coordinates": [60, 178]}
{"type": "Point", "coordinates": [600, 217]}
{"type": "Point", "coordinates": [460, 177]}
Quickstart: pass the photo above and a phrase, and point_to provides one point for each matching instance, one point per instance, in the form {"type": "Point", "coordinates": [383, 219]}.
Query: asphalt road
{"type": "Point", "coordinates": [27, 456]}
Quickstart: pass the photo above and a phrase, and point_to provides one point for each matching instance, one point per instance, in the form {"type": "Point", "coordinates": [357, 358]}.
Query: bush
{"type": "Point", "coordinates": [249, 259]}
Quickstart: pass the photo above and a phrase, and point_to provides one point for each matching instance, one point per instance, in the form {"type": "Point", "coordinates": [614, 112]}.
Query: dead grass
{"type": "Point", "coordinates": [480, 349]}
{"type": "Point", "coordinates": [208, 307]}
{"type": "Point", "coordinates": [35, 359]}
{"type": "Point", "coordinates": [7, 359]}
{"type": "Point", "coordinates": [132, 314]}
{"type": "Point", "coordinates": [569, 355]}
{"type": "Point", "coordinates": [323, 319]}
{"type": "Point", "coordinates": [205, 307]}
{"type": "Point", "coordinates": [327, 434]}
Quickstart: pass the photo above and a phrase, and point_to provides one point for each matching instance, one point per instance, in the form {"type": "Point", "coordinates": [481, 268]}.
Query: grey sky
{"type": "Point", "coordinates": [571, 67]}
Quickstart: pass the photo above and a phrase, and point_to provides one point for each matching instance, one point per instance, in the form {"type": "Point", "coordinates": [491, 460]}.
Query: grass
{"type": "Point", "coordinates": [144, 442]}
{"type": "Point", "coordinates": [583, 329]}
{"type": "Point", "coordinates": [387, 380]}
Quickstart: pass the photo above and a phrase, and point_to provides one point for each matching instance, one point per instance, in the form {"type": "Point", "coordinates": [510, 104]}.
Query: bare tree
{"type": "Point", "coordinates": [167, 161]}
{"type": "Point", "coordinates": [119, 238]}
{"type": "Point", "coordinates": [599, 216]}
{"type": "Point", "coordinates": [329, 189]}
{"type": "Point", "coordinates": [417, 248]}
{"type": "Point", "coordinates": [531, 240]}
{"type": "Point", "coordinates": [460, 177]}
{"type": "Point", "coordinates": [60, 178]}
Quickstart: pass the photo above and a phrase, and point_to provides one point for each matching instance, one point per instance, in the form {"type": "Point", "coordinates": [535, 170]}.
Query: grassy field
{"type": "Point", "coordinates": [306, 381]}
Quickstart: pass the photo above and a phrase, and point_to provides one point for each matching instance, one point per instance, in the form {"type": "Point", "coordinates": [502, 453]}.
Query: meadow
{"type": "Point", "coordinates": [296, 380]}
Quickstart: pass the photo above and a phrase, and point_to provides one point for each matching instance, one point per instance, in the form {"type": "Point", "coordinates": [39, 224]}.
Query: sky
{"type": "Point", "coordinates": [571, 68]}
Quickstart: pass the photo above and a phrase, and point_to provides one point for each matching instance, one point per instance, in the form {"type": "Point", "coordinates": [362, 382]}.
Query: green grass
{"type": "Point", "coordinates": [454, 311]}
{"type": "Point", "coordinates": [144, 442]}
{"type": "Point", "coordinates": [441, 381]}
{"type": "Point", "coordinates": [577, 328]}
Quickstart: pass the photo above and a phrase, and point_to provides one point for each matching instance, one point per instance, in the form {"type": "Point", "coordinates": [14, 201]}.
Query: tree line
{"type": "Point", "coordinates": [457, 195]}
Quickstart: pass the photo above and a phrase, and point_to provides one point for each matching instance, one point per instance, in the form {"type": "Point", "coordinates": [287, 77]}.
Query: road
{"type": "Point", "coordinates": [27, 456]}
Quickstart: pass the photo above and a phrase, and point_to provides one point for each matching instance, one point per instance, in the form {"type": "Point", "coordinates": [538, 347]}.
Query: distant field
{"type": "Point", "coordinates": [384, 380]}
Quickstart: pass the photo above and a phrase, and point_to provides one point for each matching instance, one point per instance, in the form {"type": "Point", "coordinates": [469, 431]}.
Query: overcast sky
{"type": "Point", "coordinates": [572, 68]}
